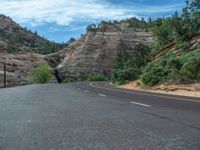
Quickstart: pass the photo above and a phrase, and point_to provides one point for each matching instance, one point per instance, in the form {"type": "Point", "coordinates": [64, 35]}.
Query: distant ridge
{"type": "Point", "coordinates": [16, 39]}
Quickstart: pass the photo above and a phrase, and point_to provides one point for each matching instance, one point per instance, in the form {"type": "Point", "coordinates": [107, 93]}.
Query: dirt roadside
{"type": "Point", "coordinates": [184, 90]}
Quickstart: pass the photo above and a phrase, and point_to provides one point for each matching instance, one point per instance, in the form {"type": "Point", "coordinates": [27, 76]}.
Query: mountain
{"type": "Point", "coordinates": [97, 51]}
{"type": "Point", "coordinates": [15, 39]}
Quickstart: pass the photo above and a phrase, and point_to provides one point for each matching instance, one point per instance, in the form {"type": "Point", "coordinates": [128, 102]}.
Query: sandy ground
{"type": "Point", "coordinates": [184, 90]}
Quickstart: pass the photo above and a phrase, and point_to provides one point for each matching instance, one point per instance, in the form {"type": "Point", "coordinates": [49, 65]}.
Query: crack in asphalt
{"type": "Point", "coordinates": [169, 119]}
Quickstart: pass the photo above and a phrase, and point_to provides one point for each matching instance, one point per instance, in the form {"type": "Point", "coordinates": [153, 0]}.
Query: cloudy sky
{"type": "Point", "coordinates": [59, 20]}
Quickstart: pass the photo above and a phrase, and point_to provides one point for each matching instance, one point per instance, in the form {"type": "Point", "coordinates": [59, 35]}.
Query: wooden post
{"type": "Point", "coordinates": [4, 75]}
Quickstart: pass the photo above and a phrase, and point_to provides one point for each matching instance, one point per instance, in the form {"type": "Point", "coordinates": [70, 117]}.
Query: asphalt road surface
{"type": "Point", "coordinates": [95, 116]}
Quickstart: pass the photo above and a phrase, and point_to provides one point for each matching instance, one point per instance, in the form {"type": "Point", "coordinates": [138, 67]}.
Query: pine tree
{"type": "Point", "coordinates": [195, 12]}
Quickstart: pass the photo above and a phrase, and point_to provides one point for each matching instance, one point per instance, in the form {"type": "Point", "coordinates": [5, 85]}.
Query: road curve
{"type": "Point", "coordinates": [156, 99]}
{"type": "Point", "coordinates": [96, 116]}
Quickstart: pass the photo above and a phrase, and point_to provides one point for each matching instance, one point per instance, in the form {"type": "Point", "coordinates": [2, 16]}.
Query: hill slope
{"type": "Point", "coordinates": [192, 45]}
{"type": "Point", "coordinates": [97, 51]}
{"type": "Point", "coordinates": [19, 66]}
{"type": "Point", "coordinates": [14, 38]}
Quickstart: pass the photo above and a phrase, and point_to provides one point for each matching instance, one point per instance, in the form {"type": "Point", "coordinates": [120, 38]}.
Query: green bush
{"type": "Point", "coordinates": [182, 45]}
{"type": "Point", "coordinates": [198, 46]}
{"type": "Point", "coordinates": [68, 79]}
{"type": "Point", "coordinates": [154, 74]}
{"type": "Point", "coordinates": [174, 63]}
{"type": "Point", "coordinates": [41, 75]}
{"type": "Point", "coordinates": [96, 77]}
{"type": "Point", "coordinates": [129, 66]}
{"type": "Point", "coordinates": [182, 69]}
{"type": "Point", "coordinates": [121, 76]}
{"type": "Point", "coordinates": [190, 69]}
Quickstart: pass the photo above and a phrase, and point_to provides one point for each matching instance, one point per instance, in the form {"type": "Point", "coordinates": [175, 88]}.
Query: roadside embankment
{"type": "Point", "coordinates": [181, 89]}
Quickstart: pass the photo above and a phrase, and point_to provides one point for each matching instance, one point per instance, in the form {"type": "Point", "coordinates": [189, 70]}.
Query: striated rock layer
{"type": "Point", "coordinates": [94, 53]}
{"type": "Point", "coordinates": [18, 67]}
{"type": "Point", "coordinates": [97, 52]}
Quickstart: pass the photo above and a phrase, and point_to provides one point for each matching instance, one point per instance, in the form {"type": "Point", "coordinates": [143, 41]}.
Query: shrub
{"type": "Point", "coordinates": [153, 75]}
{"type": "Point", "coordinates": [182, 45]}
{"type": "Point", "coordinates": [96, 77]}
{"type": "Point", "coordinates": [41, 75]}
{"type": "Point", "coordinates": [129, 66]}
{"type": "Point", "coordinates": [190, 70]}
{"type": "Point", "coordinates": [183, 69]}
{"type": "Point", "coordinates": [174, 63]}
{"type": "Point", "coordinates": [68, 79]}
{"type": "Point", "coordinates": [198, 46]}
{"type": "Point", "coordinates": [121, 76]}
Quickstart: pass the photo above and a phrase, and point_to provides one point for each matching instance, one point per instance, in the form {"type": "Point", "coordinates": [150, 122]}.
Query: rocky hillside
{"type": "Point", "coordinates": [94, 53]}
{"type": "Point", "coordinates": [98, 50]}
{"type": "Point", "coordinates": [192, 44]}
{"type": "Point", "coordinates": [15, 39]}
{"type": "Point", "coordinates": [18, 67]}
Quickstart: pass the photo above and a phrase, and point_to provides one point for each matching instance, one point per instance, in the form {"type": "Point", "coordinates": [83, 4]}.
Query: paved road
{"type": "Point", "coordinates": [95, 116]}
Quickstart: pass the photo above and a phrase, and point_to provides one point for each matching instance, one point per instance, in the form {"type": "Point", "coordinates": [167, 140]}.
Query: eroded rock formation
{"type": "Point", "coordinates": [18, 67]}
{"type": "Point", "coordinates": [94, 53]}
{"type": "Point", "coordinates": [97, 52]}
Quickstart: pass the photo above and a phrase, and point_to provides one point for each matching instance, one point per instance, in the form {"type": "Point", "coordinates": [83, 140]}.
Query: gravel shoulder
{"type": "Point", "coordinates": [192, 90]}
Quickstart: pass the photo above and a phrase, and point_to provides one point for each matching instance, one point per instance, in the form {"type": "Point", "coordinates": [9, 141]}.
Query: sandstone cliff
{"type": "Point", "coordinates": [94, 53]}
{"type": "Point", "coordinates": [18, 67]}
{"type": "Point", "coordinates": [97, 51]}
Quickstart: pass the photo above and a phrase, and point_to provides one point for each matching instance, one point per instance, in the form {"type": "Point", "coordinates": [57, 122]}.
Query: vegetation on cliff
{"type": "Point", "coordinates": [172, 69]}
{"type": "Point", "coordinates": [16, 39]}
{"type": "Point", "coordinates": [41, 75]}
{"type": "Point", "coordinates": [129, 66]}
{"type": "Point", "coordinates": [177, 28]}
{"type": "Point", "coordinates": [96, 77]}
{"type": "Point", "coordinates": [182, 68]}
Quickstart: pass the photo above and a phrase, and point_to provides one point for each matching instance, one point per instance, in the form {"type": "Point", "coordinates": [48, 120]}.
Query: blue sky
{"type": "Point", "coordinates": [58, 20]}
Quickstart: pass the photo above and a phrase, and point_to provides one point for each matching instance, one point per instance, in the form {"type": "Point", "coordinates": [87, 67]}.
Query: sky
{"type": "Point", "coordinates": [59, 20]}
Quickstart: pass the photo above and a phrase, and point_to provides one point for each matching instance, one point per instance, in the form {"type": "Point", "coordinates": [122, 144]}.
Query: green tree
{"type": "Point", "coordinates": [195, 12]}
{"type": "Point", "coordinates": [41, 75]}
{"type": "Point", "coordinates": [141, 55]}
{"type": "Point", "coordinates": [186, 20]}
{"type": "Point", "coordinates": [129, 66]}
{"type": "Point", "coordinates": [92, 27]}
{"type": "Point", "coordinates": [177, 24]}
{"type": "Point", "coordinates": [164, 32]}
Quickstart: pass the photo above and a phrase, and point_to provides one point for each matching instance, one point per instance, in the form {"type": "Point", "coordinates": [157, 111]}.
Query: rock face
{"type": "Point", "coordinates": [97, 51]}
{"type": "Point", "coordinates": [94, 53]}
{"type": "Point", "coordinates": [19, 42]}
{"type": "Point", "coordinates": [18, 67]}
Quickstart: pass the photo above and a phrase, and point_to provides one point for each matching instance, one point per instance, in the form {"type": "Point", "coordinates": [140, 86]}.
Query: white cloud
{"type": "Point", "coordinates": [67, 29]}
{"type": "Point", "coordinates": [76, 28]}
{"type": "Point", "coordinates": [64, 12]}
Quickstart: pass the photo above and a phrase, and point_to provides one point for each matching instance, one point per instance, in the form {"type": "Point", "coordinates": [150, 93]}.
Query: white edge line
{"type": "Point", "coordinates": [102, 95]}
{"type": "Point", "coordinates": [148, 94]}
{"type": "Point", "coordinates": [141, 104]}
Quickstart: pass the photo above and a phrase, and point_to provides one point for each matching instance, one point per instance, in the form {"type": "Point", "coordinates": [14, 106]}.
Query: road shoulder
{"type": "Point", "coordinates": [191, 90]}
